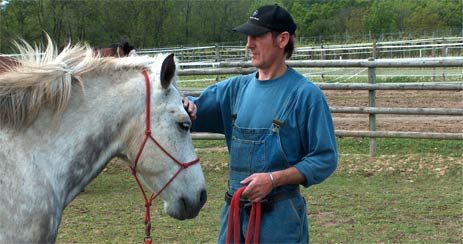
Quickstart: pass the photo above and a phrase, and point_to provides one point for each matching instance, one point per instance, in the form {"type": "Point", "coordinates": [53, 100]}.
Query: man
{"type": "Point", "coordinates": [278, 130]}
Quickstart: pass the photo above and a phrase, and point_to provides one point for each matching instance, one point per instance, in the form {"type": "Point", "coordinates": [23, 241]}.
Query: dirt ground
{"type": "Point", "coordinates": [399, 99]}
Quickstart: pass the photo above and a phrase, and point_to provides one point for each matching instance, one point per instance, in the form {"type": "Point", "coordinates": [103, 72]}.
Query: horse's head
{"type": "Point", "coordinates": [122, 49]}
{"type": "Point", "coordinates": [170, 149]}
{"type": "Point", "coordinates": [83, 109]}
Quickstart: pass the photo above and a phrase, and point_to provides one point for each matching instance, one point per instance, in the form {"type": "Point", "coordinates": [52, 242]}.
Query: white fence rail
{"type": "Point", "coordinates": [417, 48]}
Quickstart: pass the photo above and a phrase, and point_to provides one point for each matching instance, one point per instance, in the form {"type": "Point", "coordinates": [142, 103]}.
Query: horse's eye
{"type": "Point", "coordinates": [184, 126]}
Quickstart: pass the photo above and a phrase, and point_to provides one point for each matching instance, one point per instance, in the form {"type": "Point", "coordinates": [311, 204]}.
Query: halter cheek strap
{"type": "Point", "coordinates": [148, 135]}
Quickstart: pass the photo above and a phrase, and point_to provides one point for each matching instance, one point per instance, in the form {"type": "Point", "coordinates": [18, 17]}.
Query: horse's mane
{"type": "Point", "coordinates": [46, 77]}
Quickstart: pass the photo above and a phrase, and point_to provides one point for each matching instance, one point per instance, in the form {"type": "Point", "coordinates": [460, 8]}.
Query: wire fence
{"type": "Point", "coordinates": [417, 48]}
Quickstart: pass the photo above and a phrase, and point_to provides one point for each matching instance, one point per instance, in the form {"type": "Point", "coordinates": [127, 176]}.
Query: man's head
{"type": "Point", "coordinates": [270, 18]}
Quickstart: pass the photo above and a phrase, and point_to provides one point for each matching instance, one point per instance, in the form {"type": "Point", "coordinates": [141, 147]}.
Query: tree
{"type": "Point", "coordinates": [18, 21]}
{"type": "Point", "coordinates": [424, 18]}
{"type": "Point", "coordinates": [160, 23]}
{"type": "Point", "coordinates": [380, 18]}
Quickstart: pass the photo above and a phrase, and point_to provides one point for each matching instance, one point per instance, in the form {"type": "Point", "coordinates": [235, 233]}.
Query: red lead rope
{"type": "Point", "coordinates": [148, 134]}
{"type": "Point", "coordinates": [234, 219]}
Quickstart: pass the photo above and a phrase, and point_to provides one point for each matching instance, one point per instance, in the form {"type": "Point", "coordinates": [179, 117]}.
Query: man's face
{"type": "Point", "coordinates": [264, 50]}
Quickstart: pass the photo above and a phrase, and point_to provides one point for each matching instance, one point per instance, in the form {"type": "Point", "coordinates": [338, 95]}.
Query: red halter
{"type": "Point", "coordinates": [148, 134]}
{"type": "Point", "coordinates": [234, 220]}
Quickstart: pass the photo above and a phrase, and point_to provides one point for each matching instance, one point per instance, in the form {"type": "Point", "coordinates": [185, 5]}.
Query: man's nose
{"type": "Point", "coordinates": [250, 42]}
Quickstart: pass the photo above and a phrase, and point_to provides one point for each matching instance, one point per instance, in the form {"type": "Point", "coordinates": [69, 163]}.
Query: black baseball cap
{"type": "Point", "coordinates": [268, 18]}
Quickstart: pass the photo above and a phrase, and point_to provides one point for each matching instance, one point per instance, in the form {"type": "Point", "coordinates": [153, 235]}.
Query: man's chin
{"type": "Point", "coordinates": [255, 62]}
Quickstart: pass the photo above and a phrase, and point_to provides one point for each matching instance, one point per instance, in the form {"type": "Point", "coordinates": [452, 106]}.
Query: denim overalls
{"type": "Point", "coordinates": [255, 150]}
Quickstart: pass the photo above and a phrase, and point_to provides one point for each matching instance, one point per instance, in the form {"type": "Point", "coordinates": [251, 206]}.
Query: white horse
{"type": "Point", "coordinates": [64, 117]}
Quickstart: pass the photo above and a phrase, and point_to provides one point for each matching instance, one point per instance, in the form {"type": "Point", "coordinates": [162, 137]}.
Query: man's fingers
{"type": "Point", "coordinates": [190, 107]}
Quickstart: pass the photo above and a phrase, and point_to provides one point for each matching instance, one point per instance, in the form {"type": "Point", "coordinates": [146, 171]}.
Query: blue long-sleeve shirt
{"type": "Point", "coordinates": [307, 136]}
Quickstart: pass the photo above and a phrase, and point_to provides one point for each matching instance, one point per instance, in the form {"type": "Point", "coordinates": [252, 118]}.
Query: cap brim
{"type": "Point", "coordinates": [251, 29]}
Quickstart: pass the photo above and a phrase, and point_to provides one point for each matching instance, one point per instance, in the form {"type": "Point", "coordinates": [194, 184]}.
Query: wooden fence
{"type": "Point", "coordinates": [371, 87]}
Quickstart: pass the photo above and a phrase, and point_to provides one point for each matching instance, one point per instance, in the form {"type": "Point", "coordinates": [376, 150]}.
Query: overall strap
{"type": "Point", "coordinates": [239, 87]}
{"type": "Point", "coordinates": [287, 107]}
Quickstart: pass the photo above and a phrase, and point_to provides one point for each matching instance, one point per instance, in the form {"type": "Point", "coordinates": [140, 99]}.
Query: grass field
{"type": "Point", "coordinates": [411, 192]}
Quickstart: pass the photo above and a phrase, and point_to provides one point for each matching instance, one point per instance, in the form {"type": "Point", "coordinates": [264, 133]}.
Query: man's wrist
{"type": "Point", "coordinates": [272, 180]}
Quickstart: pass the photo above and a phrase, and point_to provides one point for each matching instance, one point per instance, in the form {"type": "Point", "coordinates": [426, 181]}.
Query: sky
{"type": "Point", "coordinates": [3, 3]}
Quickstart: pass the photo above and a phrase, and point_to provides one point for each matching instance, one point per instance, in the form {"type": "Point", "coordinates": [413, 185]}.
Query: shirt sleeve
{"type": "Point", "coordinates": [214, 108]}
{"type": "Point", "coordinates": [319, 143]}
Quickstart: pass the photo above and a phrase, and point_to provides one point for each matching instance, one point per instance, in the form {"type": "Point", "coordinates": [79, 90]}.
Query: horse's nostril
{"type": "Point", "coordinates": [184, 203]}
{"type": "Point", "coordinates": [203, 197]}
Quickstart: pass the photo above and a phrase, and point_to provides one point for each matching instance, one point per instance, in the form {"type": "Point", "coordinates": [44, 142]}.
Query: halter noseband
{"type": "Point", "coordinates": [148, 134]}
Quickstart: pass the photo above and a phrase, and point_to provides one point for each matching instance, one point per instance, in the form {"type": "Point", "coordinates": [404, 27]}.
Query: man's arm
{"type": "Point", "coordinates": [259, 185]}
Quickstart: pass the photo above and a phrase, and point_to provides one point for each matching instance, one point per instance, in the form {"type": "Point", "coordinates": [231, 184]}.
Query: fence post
{"type": "Point", "coordinates": [433, 53]}
{"type": "Point", "coordinates": [444, 54]}
{"type": "Point", "coordinates": [322, 57]}
{"type": "Point", "coordinates": [217, 59]}
{"type": "Point", "coordinates": [372, 103]}
{"type": "Point", "coordinates": [182, 54]}
{"type": "Point", "coordinates": [217, 52]}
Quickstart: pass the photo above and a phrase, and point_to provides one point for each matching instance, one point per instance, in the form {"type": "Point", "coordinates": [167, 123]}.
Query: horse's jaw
{"type": "Point", "coordinates": [185, 208]}
{"type": "Point", "coordinates": [181, 200]}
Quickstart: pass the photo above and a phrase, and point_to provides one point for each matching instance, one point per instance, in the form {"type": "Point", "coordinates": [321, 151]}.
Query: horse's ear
{"type": "Point", "coordinates": [132, 53]}
{"type": "Point", "coordinates": [127, 47]}
{"type": "Point", "coordinates": [167, 71]}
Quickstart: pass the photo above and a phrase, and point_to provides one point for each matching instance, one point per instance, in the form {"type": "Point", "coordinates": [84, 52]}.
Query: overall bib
{"type": "Point", "coordinates": [256, 150]}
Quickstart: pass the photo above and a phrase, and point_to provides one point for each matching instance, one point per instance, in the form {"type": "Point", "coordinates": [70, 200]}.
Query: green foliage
{"type": "Point", "coordinates": [144, 23]}
{"type": "Point", "coordinates": [161, 23]}
{"type": "Point", "coordinates": [381, 17]}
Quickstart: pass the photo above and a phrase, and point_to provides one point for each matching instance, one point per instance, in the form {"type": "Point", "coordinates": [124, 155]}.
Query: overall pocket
{"type": "Point", "coordinates": [247, 156]}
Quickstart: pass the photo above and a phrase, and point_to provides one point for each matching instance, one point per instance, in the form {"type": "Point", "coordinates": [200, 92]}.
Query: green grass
{"type": "Point", "coordinates": [386, 209]}
{"type": "Point", "coordinates": [410, 193]}
{"type": "Point", "coordinates": [384, 146]}
{"type": "Point", "coordinates": [402, 146]}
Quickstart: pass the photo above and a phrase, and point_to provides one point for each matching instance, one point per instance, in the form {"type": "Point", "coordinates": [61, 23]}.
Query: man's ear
{"type": "Point", "coordinates": [283, 39]}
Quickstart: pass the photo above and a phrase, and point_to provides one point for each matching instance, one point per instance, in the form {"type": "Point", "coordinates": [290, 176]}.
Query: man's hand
{"type": "Point", "coordinates": [259, 185]}
{"type": "Point", "coordinates": [190, 107]}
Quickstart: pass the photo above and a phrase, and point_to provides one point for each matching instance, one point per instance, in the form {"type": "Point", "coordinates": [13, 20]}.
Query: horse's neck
{"type": "Point", "coordinates": [81, 142]}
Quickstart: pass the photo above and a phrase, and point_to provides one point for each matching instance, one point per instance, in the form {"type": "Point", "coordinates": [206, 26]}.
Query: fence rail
{"type": "Point", "coordinates": [366, 63]}
{"type": "Point", "coordinates": [372, 110]}
{"type": "Point", "coordinates": [355, 133]}
{"type": "Point", "coordinates": [417, 48]}
{"type": "Point", "coordinates": [245, 67]}
{"type": "Point", "coordinates": [402, 111]}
